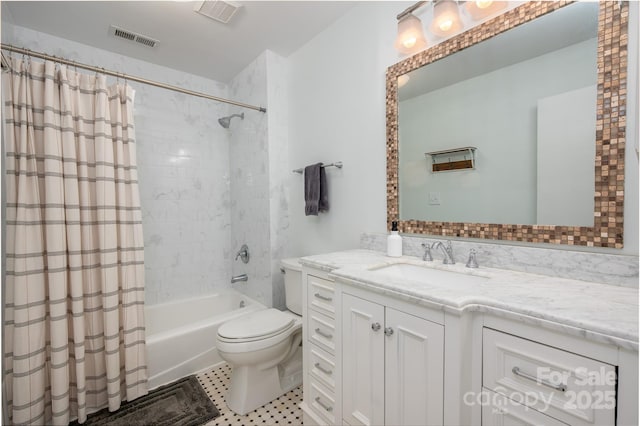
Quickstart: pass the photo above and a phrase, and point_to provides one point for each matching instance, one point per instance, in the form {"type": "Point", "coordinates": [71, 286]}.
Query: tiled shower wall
{"type": "Point", "coordinates": [260, 178]}
{"type": "Point", "coordinates": [248, 155]}
{"type": "Point", "coordinates": [280, 174]}
{"type": "Point", "coordinates": [183, 160]}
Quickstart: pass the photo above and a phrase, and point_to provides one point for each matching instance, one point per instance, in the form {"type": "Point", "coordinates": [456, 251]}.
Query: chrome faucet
{"type": "Point", "coordinates": [239, 278]}
{"type": "Point", "coordinates": [446, 250]}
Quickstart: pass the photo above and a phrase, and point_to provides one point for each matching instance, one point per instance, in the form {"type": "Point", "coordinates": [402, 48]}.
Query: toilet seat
{"type": "Point", "coordinates": [255, 326]}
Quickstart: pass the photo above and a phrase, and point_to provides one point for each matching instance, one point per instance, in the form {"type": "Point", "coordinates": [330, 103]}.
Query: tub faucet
{"type": "Point", "coordinates": [446, 250]}
{"type": "Point", "coordinates": [238, 278]}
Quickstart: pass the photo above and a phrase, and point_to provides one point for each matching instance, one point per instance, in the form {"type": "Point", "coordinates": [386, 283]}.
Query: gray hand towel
{"type": "Point", "coordinates": [315, 190]}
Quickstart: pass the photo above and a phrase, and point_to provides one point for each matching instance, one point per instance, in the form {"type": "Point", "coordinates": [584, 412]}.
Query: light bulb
{"type": "Point", "coordinates": [446, 25]}
{"type": "Point", "coordinates": [409, 42]}
{"type": "Point", "coordinates": [483, 4]}
{"type": "Point", "coordinates": [446, 18]}
{"type": "Point", "coordinates": [403, 79]}
{"type": "Point", "coordinates": [410, 35]}
{"type": "Point", "coordinates": [480, 9]}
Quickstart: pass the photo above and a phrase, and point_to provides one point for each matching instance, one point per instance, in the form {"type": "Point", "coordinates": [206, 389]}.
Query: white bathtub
{"type": "Point", "coordinates": [181, 336]}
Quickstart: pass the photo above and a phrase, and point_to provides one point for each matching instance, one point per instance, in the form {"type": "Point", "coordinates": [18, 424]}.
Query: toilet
{"type": "Point", "coordinates": [264, 348]}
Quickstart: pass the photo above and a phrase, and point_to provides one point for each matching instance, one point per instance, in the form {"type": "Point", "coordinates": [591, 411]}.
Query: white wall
{"type": "Point", "coordinates": [183, 161]}
{"type": "Point", "coordinates": [337, 113]}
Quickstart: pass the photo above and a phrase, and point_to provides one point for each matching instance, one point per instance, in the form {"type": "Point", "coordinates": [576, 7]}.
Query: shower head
{"type": "Point", "coordinates": [226, 121]}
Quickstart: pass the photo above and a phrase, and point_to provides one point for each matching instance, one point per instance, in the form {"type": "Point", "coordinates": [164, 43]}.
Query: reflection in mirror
{"type": "Point", "coordinates": [526, 99]}
{"type": "Point", "coordinates": [607, 227]}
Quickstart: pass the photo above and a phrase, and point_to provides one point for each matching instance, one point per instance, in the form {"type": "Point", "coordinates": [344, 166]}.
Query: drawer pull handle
{"type": "Point", "coordinates": [323, 405]}
{"type": "Point", "coordinates": [321, 297]}
{"type": "Point", "coordinates": [517, 372]}
{"type": "Point", "coordinates": [324, 370]}
{"type": "Point", "coordinates": [323, 334]}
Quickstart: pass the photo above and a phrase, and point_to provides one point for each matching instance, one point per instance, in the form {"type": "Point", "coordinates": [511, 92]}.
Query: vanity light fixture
{"type": "Point", "coordinates": [446, 18]}
{"type": "Point", "coordinates": [411, 37]}
{"type": "Point", "coordinates": [446, 21]}
{"type": "Point", "coordinates": [482, 8]}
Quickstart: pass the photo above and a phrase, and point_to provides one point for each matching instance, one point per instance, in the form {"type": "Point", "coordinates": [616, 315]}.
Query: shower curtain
{"type": "Point", "coordinates": [74, 286]}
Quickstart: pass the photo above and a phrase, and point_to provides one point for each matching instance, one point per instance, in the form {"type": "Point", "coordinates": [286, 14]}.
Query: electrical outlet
{"type": "Point", "coordinates": [434, 198]}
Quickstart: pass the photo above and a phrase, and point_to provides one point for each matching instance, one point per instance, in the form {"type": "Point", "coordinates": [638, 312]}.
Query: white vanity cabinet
{"type": "Point", "coordinates": [537, 376]}
{"type": "Point", "coordinates": [378, 353]}
{"type": "Point", "coordinates": [321, 349]}
{"type": "Point", "coordinates": [392, 366]}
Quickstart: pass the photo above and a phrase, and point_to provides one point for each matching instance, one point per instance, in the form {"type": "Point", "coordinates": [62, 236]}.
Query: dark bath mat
{"type": "Point", "coordinates": [181, 403]}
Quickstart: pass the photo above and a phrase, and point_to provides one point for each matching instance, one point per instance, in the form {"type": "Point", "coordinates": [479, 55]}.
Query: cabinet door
{"type": "Point", "coordinates": [414, 377]}
{"type": "Point", "coordinates": [362, 361]}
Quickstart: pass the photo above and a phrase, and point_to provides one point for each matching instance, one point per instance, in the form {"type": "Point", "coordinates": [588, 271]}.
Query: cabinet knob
{"type": "Point", "coordinates": [376, 326]}
{"type": "Point", "coordinates": [388, 331]}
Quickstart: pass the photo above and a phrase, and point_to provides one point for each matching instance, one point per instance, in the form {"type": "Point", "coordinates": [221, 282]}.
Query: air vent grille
{"type": "Point", "coordinates": [146, 41]}
{"type": "Point", "coordinates": [124, 34]}
{"type": "Point", "coordinates": [219, 10]}
{"type": "Point", "coordinates": [132, 36]}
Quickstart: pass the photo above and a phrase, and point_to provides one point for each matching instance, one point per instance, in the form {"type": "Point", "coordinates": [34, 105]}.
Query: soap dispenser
{"type": "Point", "coordinates": [394, 241]}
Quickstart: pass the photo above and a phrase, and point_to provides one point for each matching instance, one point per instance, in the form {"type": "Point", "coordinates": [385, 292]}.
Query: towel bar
{"type": "Point", "coordinates": [337, 164]}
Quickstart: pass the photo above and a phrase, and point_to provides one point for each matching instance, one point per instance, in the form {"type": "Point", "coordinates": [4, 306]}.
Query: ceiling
{"type": "Point", "coordinates": [188, 41]}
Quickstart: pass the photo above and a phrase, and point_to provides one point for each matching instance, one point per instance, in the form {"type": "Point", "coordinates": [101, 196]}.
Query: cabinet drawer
{"type": "Point", "coordinates": [322, 401]}
{"type": "Point", "coordinates": [572, 388]}
{"type": "Point", "coordinates": [322, 366]}
{"type": "Point", "coordinates": [321, 295]}
{"type": "Point", "coordinates": [501, 411]}
{"type": "Point", "coordinates": [322, 331]}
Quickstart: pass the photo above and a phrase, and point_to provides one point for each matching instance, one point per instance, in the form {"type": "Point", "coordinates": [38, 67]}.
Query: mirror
{"type": "Point", "coordinates": [535, 93]}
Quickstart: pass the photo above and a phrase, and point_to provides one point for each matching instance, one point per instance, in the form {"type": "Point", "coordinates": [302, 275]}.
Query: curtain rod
{"type": "Point", "coordinates": [126, 76]}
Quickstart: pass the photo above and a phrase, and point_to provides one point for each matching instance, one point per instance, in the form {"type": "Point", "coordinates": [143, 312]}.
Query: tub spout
{"type": "Point", "coordinates": [237, 278]}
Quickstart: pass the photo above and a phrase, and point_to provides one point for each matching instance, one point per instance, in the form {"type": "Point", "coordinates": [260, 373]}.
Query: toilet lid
{"type": "Point", "coordinates": [257, 324]}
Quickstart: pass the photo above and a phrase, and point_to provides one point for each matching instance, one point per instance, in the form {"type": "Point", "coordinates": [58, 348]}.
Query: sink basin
{"type": "Point", "coordinates": [430, 275]}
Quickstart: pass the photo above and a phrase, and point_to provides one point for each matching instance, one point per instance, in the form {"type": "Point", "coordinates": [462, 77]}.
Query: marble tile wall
{"type": "Point", "coordinates": [619, 270]}
{"type": "Point", "coordinates": [249, 163]}
{"type": "Point", "coordinates": [183, 160]}
{"type": "Point", "coordinates": [260, 178]}
{"type": "Point", "coordinates": [280, 175]}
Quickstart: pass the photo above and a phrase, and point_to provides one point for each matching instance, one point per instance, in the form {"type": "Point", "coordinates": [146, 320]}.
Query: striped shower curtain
{"type": "Point", "coordinates": [74, 286]}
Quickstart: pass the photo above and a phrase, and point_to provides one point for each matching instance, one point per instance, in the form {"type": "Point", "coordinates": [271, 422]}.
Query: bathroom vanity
{"type": "Point", "coordinates": [401, 341]}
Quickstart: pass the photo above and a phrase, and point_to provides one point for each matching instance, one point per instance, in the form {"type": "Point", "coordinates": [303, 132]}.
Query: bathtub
{"type": "Point", "coordinates": [181, 335]}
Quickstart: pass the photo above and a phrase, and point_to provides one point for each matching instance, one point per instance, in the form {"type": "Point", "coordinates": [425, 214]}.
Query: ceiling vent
{"type": "Point", "coordinates": [221, 11]}
{"type": "Point", "coordinates": [131, 36]}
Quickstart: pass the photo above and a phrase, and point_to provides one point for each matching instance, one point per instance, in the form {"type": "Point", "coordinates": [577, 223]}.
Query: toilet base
{"type": "Point", "coordinates": [252, 387]}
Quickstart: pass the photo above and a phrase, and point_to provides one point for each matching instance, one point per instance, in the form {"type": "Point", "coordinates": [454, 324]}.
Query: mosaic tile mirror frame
{"type": "Point", "coordinates": [607, 229]}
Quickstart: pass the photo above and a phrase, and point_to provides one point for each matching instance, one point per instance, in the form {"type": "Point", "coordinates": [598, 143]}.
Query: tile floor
{"type": "Point", "coordinates": [282, 411]}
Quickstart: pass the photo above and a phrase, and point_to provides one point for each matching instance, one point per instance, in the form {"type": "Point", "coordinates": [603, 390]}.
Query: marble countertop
{"type": "Point", "coordinates": [599, 312]}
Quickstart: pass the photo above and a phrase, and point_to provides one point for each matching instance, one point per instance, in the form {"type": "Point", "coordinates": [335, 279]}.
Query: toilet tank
{"type": "Point", "coordinates": [293, 284]}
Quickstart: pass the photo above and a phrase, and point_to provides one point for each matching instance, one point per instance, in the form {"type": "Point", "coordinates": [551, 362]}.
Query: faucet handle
{"type": "Point", "coordinates": [243, 254]}
{"type": "Point", "coordinates": [472, 262]}
{"type": "Point", "coordinates": [427, 253]}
